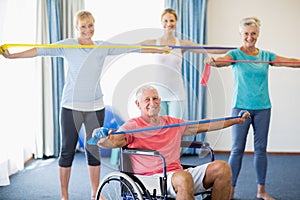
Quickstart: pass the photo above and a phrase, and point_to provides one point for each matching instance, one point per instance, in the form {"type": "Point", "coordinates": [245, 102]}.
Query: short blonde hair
{"type": "Point", "coordinates": [249, 21]}
{"type": "Point", "coordinates": [81, 15]}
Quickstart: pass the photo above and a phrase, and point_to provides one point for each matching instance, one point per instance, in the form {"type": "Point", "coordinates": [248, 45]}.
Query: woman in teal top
{"type": "Point", "coordinates": [251, 92]}
{"type": "Point", "coordinates": [251, 80]}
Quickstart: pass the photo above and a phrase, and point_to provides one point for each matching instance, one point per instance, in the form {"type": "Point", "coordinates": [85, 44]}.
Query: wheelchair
{"type": "Point", "coordinates": [126, 185]}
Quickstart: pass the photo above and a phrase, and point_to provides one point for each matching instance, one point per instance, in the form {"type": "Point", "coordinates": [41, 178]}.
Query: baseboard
{"type": "Point", "coordinates": [29, 159]}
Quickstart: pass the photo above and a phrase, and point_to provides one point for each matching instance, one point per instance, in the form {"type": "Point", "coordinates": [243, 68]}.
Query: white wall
{"type": "Point", "coordinates": [115, 17]}
{"type": "Point", "coordinates": [279, 33]}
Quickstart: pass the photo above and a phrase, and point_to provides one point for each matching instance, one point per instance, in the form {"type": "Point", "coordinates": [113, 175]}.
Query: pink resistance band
{"type": "Point", "coordinates": [205, 75]}
{"type": "Point", "coordinates": [206, 71]}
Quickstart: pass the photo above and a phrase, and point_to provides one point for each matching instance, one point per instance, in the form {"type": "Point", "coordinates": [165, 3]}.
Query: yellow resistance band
{"type": "Point", "coordinates": [6, 46]}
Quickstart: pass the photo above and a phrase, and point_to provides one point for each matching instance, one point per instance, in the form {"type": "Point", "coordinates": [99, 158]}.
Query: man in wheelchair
{"type": "Point", "coordinates": [181, 183]}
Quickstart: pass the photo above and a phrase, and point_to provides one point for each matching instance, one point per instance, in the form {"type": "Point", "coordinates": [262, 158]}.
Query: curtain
{"type": "Point", "coordinates": [68, 9]}
{"type": "Point", "coordinates": [191, 26]}
{"type": "Point", "coordinates": [57, 69]}
{"type": "Point", "coordinates": [17, 83]}
{"type": "Point", "coordinates": [4, 171]}
{"type": "Point", "coordinates": [46, 129]}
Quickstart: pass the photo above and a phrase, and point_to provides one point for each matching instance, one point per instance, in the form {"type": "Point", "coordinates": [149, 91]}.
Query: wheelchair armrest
{"type": "Point", "coordinates": [145, 152]}
{"type": "Point", "coordinates": [194, 144]}
{"type": "Point", "coordinates": [199, 145]}
{"type": "Point", "coordinates": [126, 166]}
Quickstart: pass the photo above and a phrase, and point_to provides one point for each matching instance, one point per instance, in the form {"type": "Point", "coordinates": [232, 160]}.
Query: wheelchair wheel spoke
{"type": "Point", "coordinates": [118, 186]}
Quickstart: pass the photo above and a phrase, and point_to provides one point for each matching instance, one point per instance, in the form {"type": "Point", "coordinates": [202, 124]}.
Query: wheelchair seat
{"type": "Point", "coordinates": [127, 185]}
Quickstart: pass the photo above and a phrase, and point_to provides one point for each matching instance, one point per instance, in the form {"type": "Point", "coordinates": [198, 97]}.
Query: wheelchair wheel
{"type": "Point", "coordinates": [117, 185]}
